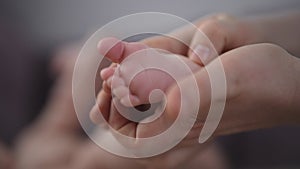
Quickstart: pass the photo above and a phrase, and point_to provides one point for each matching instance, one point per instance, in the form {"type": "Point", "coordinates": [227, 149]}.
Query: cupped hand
{"type": "Point", "coordinates": [262, 92]}
{"type": "Point", "coordinates": [214, 34]}
{"type": "Point", "coordinates": [56, 140]}
{"type": "Point", "coordinates": [262, 89]}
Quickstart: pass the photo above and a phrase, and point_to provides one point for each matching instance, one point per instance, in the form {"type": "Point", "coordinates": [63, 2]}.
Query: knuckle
{"type": "Point", "coordinates": [212, 28]}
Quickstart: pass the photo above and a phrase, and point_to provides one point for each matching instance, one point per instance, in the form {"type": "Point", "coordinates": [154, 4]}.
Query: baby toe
{"type": "Point", "coordinates": [107, 72]}
{"type": "Point", "coordinates": [117, 81]}
{"type": "Point", "coordinates": [111, 48]}
{"type": "Point", "coordinates": [130, 100]}
{"type": "Point", "coordinates": [120, 92]}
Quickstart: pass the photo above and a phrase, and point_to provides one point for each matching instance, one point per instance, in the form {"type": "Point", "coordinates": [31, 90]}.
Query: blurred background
{"type": "Point", "coordinates": [32, 31]}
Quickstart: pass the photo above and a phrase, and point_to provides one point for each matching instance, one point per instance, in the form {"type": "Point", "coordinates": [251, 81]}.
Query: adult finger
{"type": "Point", "coordinates": [176, 41]}
{"type": "Point", "coordinates": [102, 107]}
{"type": "Point", "coordinates": [217, 34]}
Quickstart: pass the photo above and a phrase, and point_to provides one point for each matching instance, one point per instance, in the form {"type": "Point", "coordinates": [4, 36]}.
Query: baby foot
{"type": "Point", "coordinates": [118, 77]}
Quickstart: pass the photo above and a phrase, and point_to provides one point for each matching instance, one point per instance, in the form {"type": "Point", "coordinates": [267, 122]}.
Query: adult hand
{"type": "Point", "coordinates": [56, 140]}
{"type": "Point", "coordinates": [126, 127]}
{"type": "Point", "coordinates": [262, 92]}
{"type": "Point", "coordinates": [263, 89]}
{"type": "Point", "coordinates": [219, 31]}
{"type": "Point", "coordinates": [226, 32]}
{"type": "Point", "coordinates": [213, 29]}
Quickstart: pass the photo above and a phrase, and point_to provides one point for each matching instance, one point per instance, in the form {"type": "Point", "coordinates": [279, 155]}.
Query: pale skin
{"type": "Point", "coordinates": [86, 152]}
{"type": "Point", "coordinates": [52, 142]}
{"type": "Point", "coordinates": [262, 79]}
{"type": "Point", "coordinates": [130, 93]}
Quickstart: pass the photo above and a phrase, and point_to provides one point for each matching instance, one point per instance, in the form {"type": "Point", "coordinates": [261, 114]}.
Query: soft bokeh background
{"type": "Point", "coordinates": [32, 30]}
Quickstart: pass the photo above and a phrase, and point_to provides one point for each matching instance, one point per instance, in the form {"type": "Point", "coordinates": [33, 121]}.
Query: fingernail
{"type": "Point", "coordinates": [201, 52]}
